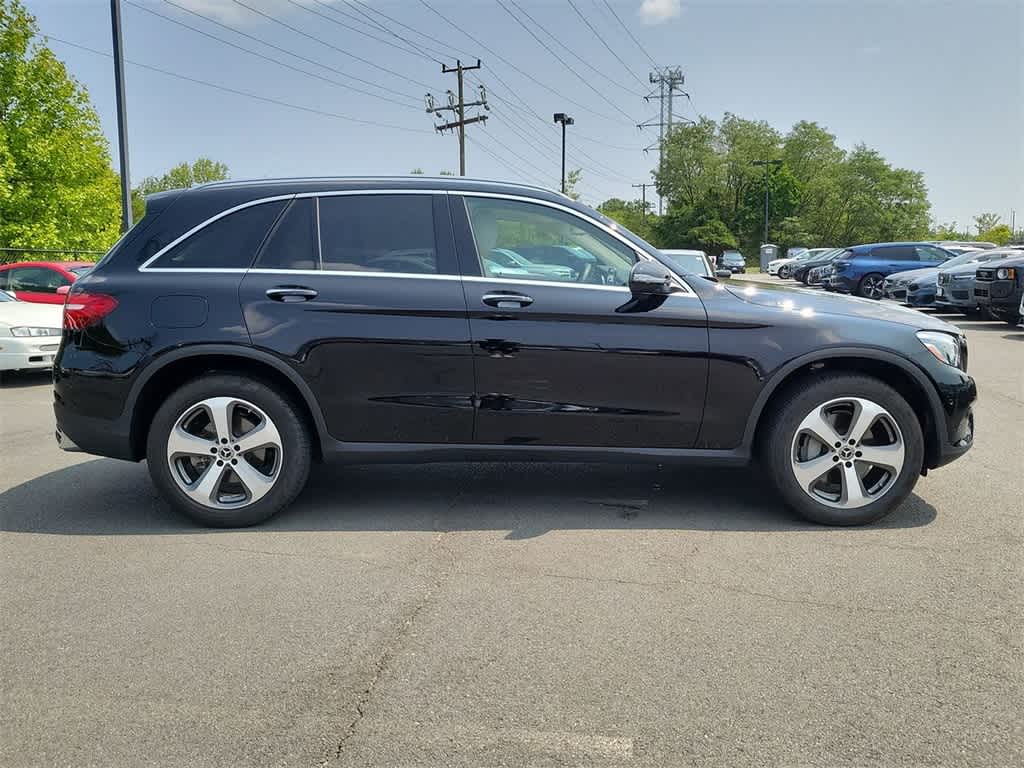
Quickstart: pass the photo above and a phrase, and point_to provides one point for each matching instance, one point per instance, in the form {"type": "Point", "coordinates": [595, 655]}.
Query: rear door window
{"type": "Point", "coordinates": [930, 254]}
{"type": "Point", "coordinates": [378, 233]}
{"type": "Point", "coordinates": [292, 243]}
{"type": "Point", "coordinates": [230, 242]}
{"type": "Point", "coordinates": [895, 253]}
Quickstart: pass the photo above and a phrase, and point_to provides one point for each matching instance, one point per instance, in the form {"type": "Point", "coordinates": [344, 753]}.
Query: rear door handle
{"type": "Point", "coordinates": [506, 300]}
{"type": "Point", "coordinates": [291, 293]}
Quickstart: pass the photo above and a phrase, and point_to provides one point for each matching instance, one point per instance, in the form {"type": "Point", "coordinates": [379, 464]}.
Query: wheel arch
{"type": "Point", "coordinates": [175, 368]}
{"type": "Point", "coordinates": [903, 376]}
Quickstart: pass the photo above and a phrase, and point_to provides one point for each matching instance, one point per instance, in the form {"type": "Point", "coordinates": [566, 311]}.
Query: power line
{"type": "Point", "coordinates": [631, 37]}
{"type": "Point", "coordinates": [238, 92]}
{"type": "Point", "coordinates": [342, 24]}
{"type": "Point", "coordinates": [329, 45]}
{"type": "Point", "coordinates": [508, 63]}
{"type": "Point", "coordinates": [517, 172]}
{"type": "Point", "coordinates": [614, 81]}
{"type": "Point", "coordinates": [563, 62]}
{"type": "Point", "coordinates": [368, 21]}
{"type": "Point", "coordinates": [448, 53]}
{"type": "Point", "coordinates": [611, 50]}
{"type": "Point", "coordinates": [270, 58]}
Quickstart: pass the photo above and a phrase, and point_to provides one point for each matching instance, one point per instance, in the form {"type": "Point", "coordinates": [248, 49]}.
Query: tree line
{"type": "Point", "coordinates": [58, 188]}
{"type": "Point", "coordinates": [713, 177]}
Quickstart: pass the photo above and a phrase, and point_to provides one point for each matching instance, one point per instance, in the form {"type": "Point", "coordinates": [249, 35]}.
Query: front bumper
{"type": "Point", "coordinates": [956, 293]}
{"type": "Point", "coordinates": [1002, 296]}
{"type": "Point", "coordinates": [37, 352]}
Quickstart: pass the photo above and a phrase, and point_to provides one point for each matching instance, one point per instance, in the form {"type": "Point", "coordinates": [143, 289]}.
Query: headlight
{"type": "Point", "coordinates": [945, 346]}
{"type": "Point", "coordinates": [1006, 273]}
{"type": "Point", "coordinates": [30, 330]}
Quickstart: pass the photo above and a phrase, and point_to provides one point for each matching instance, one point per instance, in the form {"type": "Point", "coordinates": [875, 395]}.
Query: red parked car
{"type": "Point", "coordinates": [42, 282]}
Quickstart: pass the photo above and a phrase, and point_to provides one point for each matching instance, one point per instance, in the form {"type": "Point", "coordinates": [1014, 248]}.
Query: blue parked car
{"type": "Point", "coordinates": [862, 269]}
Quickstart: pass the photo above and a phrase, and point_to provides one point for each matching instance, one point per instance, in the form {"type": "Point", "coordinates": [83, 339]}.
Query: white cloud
{"type": "Point", "coordinates": [658, 11]}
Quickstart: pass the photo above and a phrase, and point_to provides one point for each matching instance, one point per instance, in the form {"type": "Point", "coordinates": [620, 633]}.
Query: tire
{"type": "Point", "coordinates": [784, 272]}
{"type": "Point", "coordinates": [870, 286]}
{"type": "Point", "coordinates": [276, 468]}
{"type": "Point", "coordinates": [788, 444]}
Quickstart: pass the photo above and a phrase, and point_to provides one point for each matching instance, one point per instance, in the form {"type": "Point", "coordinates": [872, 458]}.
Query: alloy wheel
{"type": "Point", "coordinates": [224, 453]}
{"type": "Point", "coordinates": [847, 453]}
{"type": "Point", "coordinates": [871, 287]}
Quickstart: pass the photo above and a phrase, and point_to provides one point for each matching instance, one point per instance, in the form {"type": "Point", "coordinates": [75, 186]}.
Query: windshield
{"type": "Point", "coordinates": [687, 262]}
{"type": "Point", "coordinates": [965, 258]}
{"type": "Point", "coordinates": [79, 271]}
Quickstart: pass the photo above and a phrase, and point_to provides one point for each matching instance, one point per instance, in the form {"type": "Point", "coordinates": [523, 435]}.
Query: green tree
{"type": "Point", "coordinates": [57, 187]}
{"type": "Point", "coordinates": [572, 178]}
{"type": "Point", "coordinates": [181, 176]}
{"type": "Point", "coordinates": [632, 215]}
{"type": "Point", "coordinates": [986, 221]}
{"type": "Point", "coordinates": [1000, 234]}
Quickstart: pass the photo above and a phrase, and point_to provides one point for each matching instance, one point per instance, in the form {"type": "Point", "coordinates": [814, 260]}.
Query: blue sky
{"type": "Point", "coordinates": [934, 86]}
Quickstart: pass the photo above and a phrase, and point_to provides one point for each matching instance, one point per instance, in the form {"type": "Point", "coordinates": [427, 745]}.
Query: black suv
{"type": "Point", "coordinates": [998, 286]}
{"type": "Point", "coordinates": [243, 330]}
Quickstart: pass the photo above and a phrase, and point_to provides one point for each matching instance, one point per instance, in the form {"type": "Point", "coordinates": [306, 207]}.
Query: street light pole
{"type": "Point", "coordinates": [564, 119]}
{"type": "Point", "coordinates": [767, 164]}
{"type": "Point", "coordinates": [122, 116]}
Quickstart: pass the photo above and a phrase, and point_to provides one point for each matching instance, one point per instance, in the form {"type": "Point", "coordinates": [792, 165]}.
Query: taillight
{"type": "Point", "coordinates": [84, 309]}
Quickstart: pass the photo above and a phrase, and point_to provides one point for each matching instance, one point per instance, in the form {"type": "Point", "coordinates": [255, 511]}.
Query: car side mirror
{"type": "Point", "coordinates": [723, 273]}
{"type": "Point", "coordinates": [649, 278]}
{"type": "Point", "coordinates": [63, 290]}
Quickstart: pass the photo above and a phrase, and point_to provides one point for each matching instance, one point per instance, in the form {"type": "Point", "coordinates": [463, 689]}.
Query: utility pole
{"type": "Point", "coordinates": [767, 165]}
{"type": "Point", "coordinates": [122, 116]}
{"type": "Point", "coordinates": [669, 81]}
{"type": "Point", "coordinates": [564, 119]}
{"type": "Point", "coordinates": [643, 199]}
{"type": "Point", "coordinates": [459, 108]}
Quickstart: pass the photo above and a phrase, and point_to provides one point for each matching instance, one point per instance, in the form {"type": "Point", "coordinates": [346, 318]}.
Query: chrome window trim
{"type": "Point", "coordinates": [686, 290]}
{"type": "Point", "coordinates": [641, 255]}
{"type": "Point", "coordinates": [144, 267]}
{"type": "Point", "coordinates": [343, 272]}
{"type": "Point", "coordinates": [549, 283]}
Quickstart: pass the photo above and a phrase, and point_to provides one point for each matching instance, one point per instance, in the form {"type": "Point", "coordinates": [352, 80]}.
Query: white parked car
{"type": "Point", "coordinates": [29, 333]}
{"type": "Point", "coordinates": [690, 260]}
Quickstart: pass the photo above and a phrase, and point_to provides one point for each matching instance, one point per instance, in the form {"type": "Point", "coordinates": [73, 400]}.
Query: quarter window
{"type": "Point", "coordinates": [928, 253]}
{"type": "Point", "coordinates": [292, 242]}
{"type": "Point", "coordinates": [378, 233]}
{"type": "Point", "coordinates": [526, 241]}
{"type": "Point", "coordinates": [230, 242]}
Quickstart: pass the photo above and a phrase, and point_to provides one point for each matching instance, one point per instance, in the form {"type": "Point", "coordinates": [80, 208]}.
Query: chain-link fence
{"type": "Point", "coordinates": [14, 255]}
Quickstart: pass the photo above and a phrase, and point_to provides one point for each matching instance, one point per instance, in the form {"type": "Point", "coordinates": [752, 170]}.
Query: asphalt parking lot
{"type": "Point", "coordinates": [514, 615]}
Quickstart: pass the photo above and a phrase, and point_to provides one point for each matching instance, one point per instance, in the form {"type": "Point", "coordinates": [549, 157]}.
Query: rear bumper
{"type": "Point", "coordinates": [103, 437]}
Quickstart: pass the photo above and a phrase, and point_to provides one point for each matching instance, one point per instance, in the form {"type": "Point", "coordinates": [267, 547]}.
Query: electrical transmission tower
{"type": "Point", "coordinates": [458, 108]}
{"type": "Point", "coordinates": [669, 81]}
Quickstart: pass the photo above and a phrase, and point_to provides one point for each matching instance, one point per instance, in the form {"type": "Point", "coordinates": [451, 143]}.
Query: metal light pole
{"type": "Point", "coordinates": [564, 119]}
{"type": "Point", "coordinates": [767, 164]}
{"type": "Point", "coordinates": [122, 116]}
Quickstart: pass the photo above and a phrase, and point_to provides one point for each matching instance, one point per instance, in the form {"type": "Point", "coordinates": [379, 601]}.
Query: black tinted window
{"type": "Point", "coordinates": [230, 242]}
{"type": "Point", "coordinates": [895, 253]}
{"type": "Point", "coordinates": [378, 233]}
{"type": "Point", "coordinates": [292, 242]}
{"type": "Point", "coordinates": [37, 279]}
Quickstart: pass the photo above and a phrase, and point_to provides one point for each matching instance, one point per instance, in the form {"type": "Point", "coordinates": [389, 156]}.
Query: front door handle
{"type": "Point", "coordinates": [291, 293]}
{"type": "Point", "coordinates": [506, 300]}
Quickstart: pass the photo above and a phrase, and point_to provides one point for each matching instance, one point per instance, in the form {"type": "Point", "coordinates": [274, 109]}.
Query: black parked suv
{"type": "Point", "coordinates": [243, 330]}
{"type": "Point", "coordinates": [998, 286]}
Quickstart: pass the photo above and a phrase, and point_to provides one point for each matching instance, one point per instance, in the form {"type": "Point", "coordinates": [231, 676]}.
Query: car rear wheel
{"type": "Point", "coordinates": [843, 449]}
{"type": "Point", "coordinates": [228, 451]}
{"type": "Point", "coordinates": [871, 286]}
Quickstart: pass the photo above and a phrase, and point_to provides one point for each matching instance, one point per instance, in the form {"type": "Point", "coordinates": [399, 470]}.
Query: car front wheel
{"type": "Point", "coordinates": [844, 449]}
{"type": "Point", "coordinates": [228, 451]}
{"type": "Point", "coordinates": [871, 286]}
